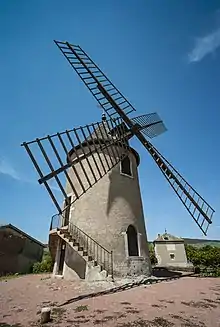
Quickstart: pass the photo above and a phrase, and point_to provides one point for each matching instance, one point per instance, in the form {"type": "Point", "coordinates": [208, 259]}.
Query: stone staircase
{"type": "Point", "coordinates": [99, 261]}
{"type": "Point", "coordinates": [96, 268]}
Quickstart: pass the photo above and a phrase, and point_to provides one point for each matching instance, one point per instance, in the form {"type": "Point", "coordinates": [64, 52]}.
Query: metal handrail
{"type": "Point", "coordinates": [95, 250]}
{"type": "Point", "coordinates": [90, 238]}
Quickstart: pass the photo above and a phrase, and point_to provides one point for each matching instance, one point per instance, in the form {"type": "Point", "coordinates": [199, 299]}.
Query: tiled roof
{"type": "Point", "coordinates": [2, 226]}
{"type": "Point", "coordinates": [167, 237]}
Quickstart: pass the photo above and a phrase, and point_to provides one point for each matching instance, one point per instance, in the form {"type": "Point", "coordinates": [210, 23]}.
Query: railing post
{"type": "Point", "coordinates": [112, 264]}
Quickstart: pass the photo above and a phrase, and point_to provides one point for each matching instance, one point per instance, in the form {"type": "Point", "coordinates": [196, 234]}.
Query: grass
{"type": "Point", "coordinates": [199, 304]}
{"type": "Point", "coordinates": [99, 311]}
{"type": "Point", "coordinates": [132, 310]}
{"type": "Point", "coordinates": [58, 311]}
{"type": "Point", "coordinates": [3, 324]}
{"type": "Point", "coordinates": [81, 308]}
{"type": "Point", "coordinates": [158, 306]}
{"type": "Point", "coordinates": [10, 276]}
{"type": "Point", "coordinates": [105, 319]}
{"type": "Point", "coordinates": [157, 322]}
{"type": "Point", "coordinates": [187, 322]}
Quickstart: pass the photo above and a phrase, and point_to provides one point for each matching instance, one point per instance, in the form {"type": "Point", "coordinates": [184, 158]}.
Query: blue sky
{"type": "Point", "coordinates": [163, 55]}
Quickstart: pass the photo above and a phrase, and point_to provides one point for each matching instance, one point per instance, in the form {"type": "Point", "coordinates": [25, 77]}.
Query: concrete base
{"type": "Point", "coordinates": [133, 266]}
{"type": "Point", "coordinates": [94, 273]}
{"type": "Point", "coordinates": [57, 276]}
{"type": "Point", "coordinates": [76, 267]}
{"type": "Point", "coordinates": [183, 265]}
{"type": "Point", "coordinates": [180, 267]}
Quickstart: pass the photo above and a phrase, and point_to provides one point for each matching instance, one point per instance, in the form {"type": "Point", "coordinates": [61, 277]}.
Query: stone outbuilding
{"type": "Point", "coordinates": [18, 250]}
{"type": "Point", "coordinates": [170, 251]}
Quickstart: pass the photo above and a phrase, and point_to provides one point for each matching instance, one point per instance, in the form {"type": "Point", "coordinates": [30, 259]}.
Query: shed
{"type": "Point", "coordinates": [18, 250]}
{"type": "Point", "coordinates": [170, 251]}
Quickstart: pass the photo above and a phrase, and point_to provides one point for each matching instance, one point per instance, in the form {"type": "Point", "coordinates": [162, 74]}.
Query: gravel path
{"type": "Point", "coordinates": [187, 302]}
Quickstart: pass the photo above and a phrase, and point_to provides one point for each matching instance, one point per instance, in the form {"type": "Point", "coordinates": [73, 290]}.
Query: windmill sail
{"type": "Point", "coordinates": [150, 124]}
{"type": "Point", "coordinates": [92, 148]}
{"type": "Point", "coordinates": [198, 208]}
{"type": "Point", "coordinates": [115, 104]}
{"type": "Point", "coordinates": [91, 76]}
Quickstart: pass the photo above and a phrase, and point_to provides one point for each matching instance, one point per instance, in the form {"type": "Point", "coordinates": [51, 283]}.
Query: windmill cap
{"type": "Point", "coordinates": [98, 141]}
{"type": "Point", "coordinates": [102, 135]}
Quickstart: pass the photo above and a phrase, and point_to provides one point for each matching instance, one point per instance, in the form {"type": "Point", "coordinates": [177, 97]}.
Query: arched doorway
{"type": "Point", "coordinates": [132, 241]}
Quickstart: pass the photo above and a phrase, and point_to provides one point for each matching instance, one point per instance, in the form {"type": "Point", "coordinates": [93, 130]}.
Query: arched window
{"type": "Point", "coordinates": [132, 241]}
{"type": "Point", "coordinates": [126, 166]}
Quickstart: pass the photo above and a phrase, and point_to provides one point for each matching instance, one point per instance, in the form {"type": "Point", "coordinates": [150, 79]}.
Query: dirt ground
{"type": "Point", "coordinates": [189, 302]}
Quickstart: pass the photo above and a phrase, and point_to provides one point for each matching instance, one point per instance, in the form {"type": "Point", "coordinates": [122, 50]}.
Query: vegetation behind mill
{"type": "Point", "coordinates": [46, 265]}
{"type": "Point", "coordinates": [205, 259]}
{"type": "Point", "coordinates": [199, 242]}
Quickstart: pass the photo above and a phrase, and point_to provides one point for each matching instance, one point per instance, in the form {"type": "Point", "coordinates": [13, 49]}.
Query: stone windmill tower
{"type": "Point", "coordinates": [99, 230]}
{"type": "Point", "coordinates": [111, 211]}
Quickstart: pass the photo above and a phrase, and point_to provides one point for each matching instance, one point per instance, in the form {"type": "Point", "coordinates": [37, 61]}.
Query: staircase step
{"type": "Point", "coordinates": [68, 238]}
{"type": "Point", "coordinates": [80, 253]}
{"type": "Point", "coordinates": [64, 231]}
{"type": "Point", "coordinates": [86, 258]}
{"type": "Point", "coordinates": [80, 247]}
{"type": "Point", "coordinates": [104, 274]}
{"type": "Point", "coordinates": [98, 267]}
{"type": "Point", "coordinates": [64, 235]}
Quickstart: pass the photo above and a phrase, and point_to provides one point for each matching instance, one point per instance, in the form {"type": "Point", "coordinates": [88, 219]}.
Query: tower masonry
{"type": "Point", "coordinates": [111, 212]}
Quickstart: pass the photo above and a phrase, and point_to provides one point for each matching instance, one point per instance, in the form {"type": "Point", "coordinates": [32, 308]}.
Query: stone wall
{"type": "Point", "coordinates": [17, 252]}
{"type": "Point", "coordinates": [164, 250]}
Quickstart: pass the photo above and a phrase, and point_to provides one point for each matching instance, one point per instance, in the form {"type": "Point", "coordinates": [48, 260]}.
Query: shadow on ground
{"type": "Point", "coordinates": [164, 272]}
{"type": "Point", "coordinates": [4, 324]}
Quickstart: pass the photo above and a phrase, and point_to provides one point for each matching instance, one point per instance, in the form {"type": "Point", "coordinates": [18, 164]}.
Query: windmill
{"type": "Point", "coordinates": [96, 172]}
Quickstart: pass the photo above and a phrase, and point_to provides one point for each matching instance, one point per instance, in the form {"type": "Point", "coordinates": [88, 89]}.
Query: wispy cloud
{"type": "Point", "coordinates": [204, 46]}
{"type": "Point", "coordinates": [6, 168]}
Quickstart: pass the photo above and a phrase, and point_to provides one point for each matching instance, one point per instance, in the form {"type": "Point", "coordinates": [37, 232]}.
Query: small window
{"type": "Point", "coordinates": [166, 238]}
{"type": "Point", "coordinates": [172, 256]}
{"type": "Point", "coordinates": [126, 166]}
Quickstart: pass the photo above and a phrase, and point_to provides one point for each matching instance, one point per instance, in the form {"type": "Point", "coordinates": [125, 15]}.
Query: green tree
{"type": "Point", "coordinates": [207, 256]}
{"type": "Point", "coordinates": [153, 258]}
{"type": "Point", "coordinates": [46, 265]}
